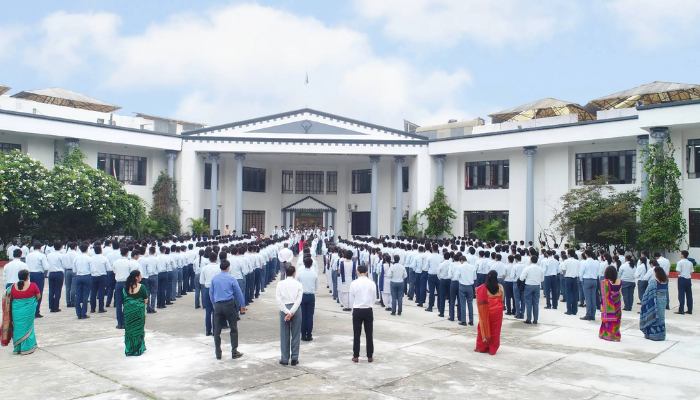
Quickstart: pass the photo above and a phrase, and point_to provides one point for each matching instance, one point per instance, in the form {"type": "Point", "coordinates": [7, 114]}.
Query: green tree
{"type": "Point", "coordinates": [199, 226]}
{"type": "Point", "coordinates": [439, 214]}
{"type": "Point", "coordinates": [88, 202]}
{"type": "Point", "coordinates": [409, 226]}
{"type": "Point", "coordinates": [662, 224]}
{"type": "Point", "coordinates": [492, 229]}
{"type": "Point", "coordinates": [599, 216]}
{"type": "Point", "coordinates": [23, 194]}
{"type": "Point", "coordinates": [165, 210]}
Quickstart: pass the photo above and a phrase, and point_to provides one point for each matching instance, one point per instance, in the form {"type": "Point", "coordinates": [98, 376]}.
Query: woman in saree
{"type": "Point", "coordinates": [20, 307]}
{"type": "Point", "coordinates": [610, 306]}
{"type": "Point", "coordinates": [652, 320]}
{"type": "Point", "coordinates": [489, 302]}
{"type": "Point", "coordinates": [135, 300]}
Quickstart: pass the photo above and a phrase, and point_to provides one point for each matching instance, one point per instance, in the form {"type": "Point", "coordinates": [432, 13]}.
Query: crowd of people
{"type": "Point", "coordinates": [228, 273]}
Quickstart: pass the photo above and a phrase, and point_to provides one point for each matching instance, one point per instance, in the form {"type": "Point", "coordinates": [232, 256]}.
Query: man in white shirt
{"type": "Point", "coordinates": [466, 275]}
{"type": "Point", "coordinates": [571, 267]}
{"type": "Point", "coordinates": [533, 276]}
{"type": "Point", "coordinates": [56, 272]}
{"type": "Point", "coordinates": [362, 295]}
{"type": "Point", "coordinates": [685, 289]}
{"type": "Point", "coordinates": [205, 277]}
{"type": "Point", "coordinates": [37, 264]}
{"type": "Point", "coordinates": [551, 280]}
{"type": "Point", "coordinates": [83, 281]}
{"type": "Point", "coordinates": [289, 294]}
{"type": "Point", "coordinates": [122, 269]}
{"type": "Point", "coordinates": [11, 269]}
{"type": "Point", "coordinates": [285, 256]}
{"type": "Point", "coordinates": [309, 281]}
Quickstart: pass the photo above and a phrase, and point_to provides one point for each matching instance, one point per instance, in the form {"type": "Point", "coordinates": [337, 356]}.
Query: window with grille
{"type": "Point", "coordinates": [207, 176]}
{"type": "Point", "coordinates": [309, 182]}
{"type": "Point", "coordinates": [612, 167]}
{"type": "Point", "coordinates": [8, 147]}
{"type": "Point", "coordinates": [254, 217]}
{"type": "Point", "coordinates": [287, 181]}
{"type": "Point", "coordinates": [207, 216]}
{"type": "Point", "coordinates": [331, 182]}
{"type": "Point", "coordinates": [254, 179]}
{"type": "Point", "coordinates": [130, 170]}
{"type": "Point", "coordinates": [692, 158]}
{"type": "Point", "coordinates": [362, 181]}
{"type": "Point", "coordinates": [486, 175]}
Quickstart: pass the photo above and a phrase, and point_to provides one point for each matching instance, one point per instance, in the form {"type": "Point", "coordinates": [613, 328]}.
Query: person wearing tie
{"type": "Point", "coordinates": [289, 294]}
{"type": "Point", "coordinates": [362, 295]}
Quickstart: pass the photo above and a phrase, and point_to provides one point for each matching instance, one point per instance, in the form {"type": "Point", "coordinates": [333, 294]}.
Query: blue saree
{"type": "Point", "coordinates": [652, 320]}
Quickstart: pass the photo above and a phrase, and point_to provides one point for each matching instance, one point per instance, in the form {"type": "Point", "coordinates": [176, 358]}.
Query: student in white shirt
{"type": "Point", "coordinates": [467, 277]}
{"type": "Point", "coordinates": [533, 276]}
{"type": "Point", "coordinates": [121, 268]}
{"type": "Point", "coordinates": [205, 277]}
{"type": "Point", "coordinates": [37, 264]}
{"type": "Point", "coordinates": [362, 294]}
{"type": "Point", "coordinates": [508, 283]}
{"type": "Point", "coordinates": [397, 277]}
{"type": "Point", "coordinates": [626, 274]}
{"type": "Point", "coordinates": [443, 275]}
{"type": "Point", "coordinates": [309, 281]}
{"type": "Point", "coordinates": [685, 288]}
{"type": "Point", "coordinates": [289, 294]}
{"type": "Point", "coordinates": [56, 273]}
{"type": "Point", "coordinates": [640, 273]}
{"type": "Point", "coordinates": [11, 269]}
{"type": "Point", "coordinates": [98, 270]}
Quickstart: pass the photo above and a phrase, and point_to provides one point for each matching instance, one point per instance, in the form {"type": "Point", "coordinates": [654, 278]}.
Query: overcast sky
{"type": "Point", "coordinates": [375, 60]}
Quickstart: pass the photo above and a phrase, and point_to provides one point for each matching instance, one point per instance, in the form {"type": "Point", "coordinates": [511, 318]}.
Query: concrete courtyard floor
{"type": "Point", "coordinates": [417, 356]}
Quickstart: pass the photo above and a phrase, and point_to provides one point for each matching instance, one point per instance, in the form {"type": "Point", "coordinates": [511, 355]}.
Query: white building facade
{"type": "Point", "coordinates": [308, 167]}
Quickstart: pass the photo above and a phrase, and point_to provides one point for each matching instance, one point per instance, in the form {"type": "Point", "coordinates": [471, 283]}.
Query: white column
{"type": "Point", "coordinates": [398, 192]}
{"type": "Point", "coordinates": [374, 162]}
{"type": "Point", "coordinates": [440, 173]}
{"type": "Point", "coordinates": [172, 155]}
{"type": "Point", "coordinates": [213, 214]}
{"type": "Point", "coordinates": [530, 193]}
{"type": "Point", "coordinates": [643, 142]}
{"type": "Point", "coordinates": [240, 157]}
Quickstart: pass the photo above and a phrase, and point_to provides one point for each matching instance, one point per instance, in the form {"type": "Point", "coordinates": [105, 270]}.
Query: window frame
{"type": "Point", "coordinates": [127, 169]}
{"type": "Point", "coordinates": [9, 147]}
{"type": "Point", "coordinates": [488, 174]}
{"type": "Point", "coordinates": [252, 181]}
{"type": "Point", "coordinates": [592, 166]}
{"type": "Point", "coordinates": [360, 179]}
{"type": "Point", "coordinates": [309, 182]}
{"type": "Point", "coordinates": [287, 182]}
{"type": "Point", "coordinates": [331, 182]}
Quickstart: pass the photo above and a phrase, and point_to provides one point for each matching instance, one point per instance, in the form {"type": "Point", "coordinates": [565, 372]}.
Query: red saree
{"type": "Point", "coordinates": [490, 308]}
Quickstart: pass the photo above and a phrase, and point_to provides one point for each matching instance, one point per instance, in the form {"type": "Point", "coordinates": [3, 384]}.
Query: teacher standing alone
{"type": "Point", "coordinates": [362, 295]}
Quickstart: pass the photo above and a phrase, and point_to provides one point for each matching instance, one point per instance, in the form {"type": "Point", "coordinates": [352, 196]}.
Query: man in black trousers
{"type": "Point", "coordinates": [362, 297]}
{"type": "Point", "coordinates": [227, 298]}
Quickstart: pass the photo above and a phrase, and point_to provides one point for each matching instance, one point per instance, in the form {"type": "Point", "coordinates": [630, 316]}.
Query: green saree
{"type": "Point", "coordinates": [134, 321]}
{"type": "Point", "coordinates": [23, 337]}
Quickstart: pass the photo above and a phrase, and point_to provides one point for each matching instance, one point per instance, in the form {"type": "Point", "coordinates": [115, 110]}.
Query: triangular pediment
{"type": "Point", "coordinates": [308, 203]}
{"type": "Point", "coordinates": [308, 126]}
{"type": "Point", "coordinates": [305, 124]}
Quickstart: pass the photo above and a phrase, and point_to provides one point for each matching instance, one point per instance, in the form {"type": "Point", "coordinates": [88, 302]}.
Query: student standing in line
{"type": "Point", "coordinates": [627, 278]}
{"type": "Point", "coordinates": [309, 282]}
{"type": "Point", "coordinates": [227, 298]}
{"type": "Point", "coordinates": [37, 264]}
{"type": "Point", "coordinates": [361, 295]}
{"type": "Point", "coordinates": [533, 276]}
{"type": "Point", "coordinates": [685, 288]}
{"type": "Point", "coordinates": [56, 274]}
{"type": "Point", "coordinates": [121, 270]}
{"type": "Point", "coordinates": [397, 277]}
{"type": "Point", "coordinates": [289, 294]}
{"type": "Point", "coordinates": [98, 271]}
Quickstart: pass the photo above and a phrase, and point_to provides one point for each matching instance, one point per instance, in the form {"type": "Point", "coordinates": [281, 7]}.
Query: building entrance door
{"type": "Point", "coordinates": [308, 219]}
{"type": "Point", "coordinates": [360, 223]}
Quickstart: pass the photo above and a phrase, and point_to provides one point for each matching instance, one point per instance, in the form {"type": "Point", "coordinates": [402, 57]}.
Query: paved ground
{"type": "Point", "coordinates": [418, 356]}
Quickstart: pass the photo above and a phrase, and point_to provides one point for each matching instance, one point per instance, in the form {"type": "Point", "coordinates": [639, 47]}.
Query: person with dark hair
{"type": "Point", "coordinates": [397, 276]}
{"type": "Point", "coordinates": [121, 270]}
{"type": "Point", "coordinates": [362, 295]}
{"type": "Point", "coordinates": [589, 276]}
{"type": "Point", "coordinates": [38, 265]}
{"type": "Point", "coordinates": [309, 282]}
{"type": "Point", "coordinates": [289, 294]}
{"type": "Point", "coordinates": [83, 281]}
{"type": "Point", "coordinates": [533, 276]}
{"type": "Point", "coordinates": [640, 273]}
{"type": "Point", "coordinates": [98, 270]}
{"type": "Point", "coordinates": [20, 301]}
{"type": "Point", "coordinates": [227, 298]}
{"type": "Point", "coordinates": [610, 306]}
{"type": "Point", "coordinates": [489, 302]}
{"type": "Point", "coordinates": [685, 288]}
{"type": "Point", "coordinates": [135, 298]}
{"type": "Point", "coordinates": [205, 277]}
{"type": "Point", "coordinates": [652, 320]}
{"type": "Point", "coordinates": [12, 268]}
{"type": "Point", "coordinates": [627, 278]}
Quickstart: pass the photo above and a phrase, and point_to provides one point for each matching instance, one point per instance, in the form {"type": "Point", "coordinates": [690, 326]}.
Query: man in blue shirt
{"type": "Point", "coordinates": [227, 298]}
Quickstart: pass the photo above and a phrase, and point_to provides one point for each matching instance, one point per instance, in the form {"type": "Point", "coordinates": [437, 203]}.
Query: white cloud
{"type": "Point", "coordinates": [486, 22]}
{"type": "Point", "coordinates": [653, 23]}
{"type": "Point", "coordinates": [9, 40]}
{"type": "Point", "coordinates": [68, 40]}
{"type": "Point", "coordinates": [247, 60]}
